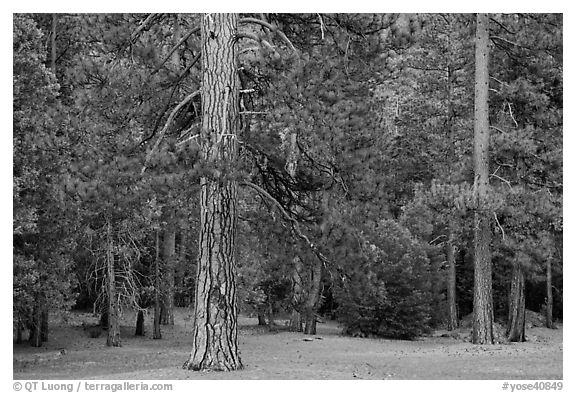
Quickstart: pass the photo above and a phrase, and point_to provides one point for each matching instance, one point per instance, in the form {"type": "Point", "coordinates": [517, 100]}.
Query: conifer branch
{"type": "Point", "coordinates": [257, 38]}
{"type": "Point", "coordinates": [501, 179]}
{"type": "Point", "coordinates": [194, 30]}
{"type": "Point", "coordinates": [143, 25]}
{"type": "Point", "coordinates": [270, 27]}
{"type": "Point", "coordinates": [498, 129]}
{"type": "Point", "coordinates": [167, 125]}
{"type": "Point", "coordinates": [194, 61]}
{"type": "Point", "coordinates": [502, 26]}
{"type": "Point", "coordinates": [293, 221]}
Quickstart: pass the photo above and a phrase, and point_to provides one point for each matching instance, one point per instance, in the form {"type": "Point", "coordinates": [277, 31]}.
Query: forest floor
{"type": "Point", "coordinates": [71, 354]}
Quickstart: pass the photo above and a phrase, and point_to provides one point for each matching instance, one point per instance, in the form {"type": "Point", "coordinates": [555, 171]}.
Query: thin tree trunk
{"type": "Point", "coordinates": [451, 280]}
{"type": "Point", "coordinates": [482, 327]}
{"type": "Point", "coordinates": [297, 295]}
{"type": "Point", "coordinates": [549, 298]}
{"type": "Point", "coordinates": [313, 298]}
{"type": "Point", "coordinates": [139, 324]}
{"type": "Point", "coordinates": [270, 315]}
{"type": "Point", "coordinates": [19, 328]}
{"type": "Point", "coordinates": [44, 324]}
{"type": "Point", "coordinates": [453, 321]}
{"type": "Point", "coordinates": [157, 334]}
{"type": "Point", "coordinates": [36, 328]}
{"type": "Point", "coordinates": [515, 330]}
{"type": "Point", "coordinates": [180, 274]}
{"type": "Point", "coordinates": [215, 334]}
{"type": "Point", "coordinates": [177, 37]}
{"type": "Point", "coordinates": [169, 257]}
{"type": "Point", "coordinates": [297, 288]}
{"type": "Point", "coordinates": [113, 339]}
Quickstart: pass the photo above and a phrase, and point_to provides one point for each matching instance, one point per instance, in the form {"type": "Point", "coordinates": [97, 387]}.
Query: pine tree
{"type": "Point", "coordinates": [215, 340]}
{"type": "Point", "coordinates": [482, 328]}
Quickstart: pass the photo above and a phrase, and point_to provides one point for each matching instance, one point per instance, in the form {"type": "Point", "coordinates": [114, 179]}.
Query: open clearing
{"type": "Point", "coordinates": [71, 354]}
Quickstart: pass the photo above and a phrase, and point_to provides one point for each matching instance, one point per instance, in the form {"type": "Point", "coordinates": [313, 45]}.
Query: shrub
{"type": "Point", "coordinates": [387, 291]}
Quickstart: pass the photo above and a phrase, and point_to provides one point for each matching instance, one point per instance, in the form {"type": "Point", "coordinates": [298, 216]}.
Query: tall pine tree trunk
{"type": "Point", "coordinates": [215, 333]}
{"type": "Point", "coordinates": [113, 339]}
{"type": "Point", "coordinates": [515, 330]}
{"type": "Point", "coordinates": [451, 244]}
{"type": "Point", "coordinates": [482, 327]}
{"type": "Point", "coordinates": [451, 280]}
{"type": "Point", "coordinates": [549, 298]}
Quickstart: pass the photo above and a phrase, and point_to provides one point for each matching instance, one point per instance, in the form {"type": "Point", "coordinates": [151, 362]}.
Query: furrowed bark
{"type": "Point", "coordinates": [482, 327]}
{"type": "Point", "coordinates": [297, 295]}
{"type": "Point", "coordinates": [215, 332]}
{"type": "Point", "coordinates": [313, 298]}
{"type": "Point", "coordinates": [517, 306]}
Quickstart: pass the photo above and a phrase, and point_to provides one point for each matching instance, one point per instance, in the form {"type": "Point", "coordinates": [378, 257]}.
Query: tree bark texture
{"type": "Point", "coordinates": [482, 327]}
{"type": "Point", "coordinates": [296, 320]}
{"type": "Point", "coordinates": [169, 258]}
{"type": "Point", "coordinates": [549, 298]}
{"type": "Point", "coordinates": [215, 332]}
{"type": "Point", "coordinates": [451, 280]}
{"type": "Point", "coordinates": [297, 295]}
{"type": "Point", "coordinates": [156, 333]}
{"type": "Point", "coordinates": [313, 299]}
{"type": "Point", "coordinates": [515, 330]}
{"type": "Point", "coordinates": [113, 339]}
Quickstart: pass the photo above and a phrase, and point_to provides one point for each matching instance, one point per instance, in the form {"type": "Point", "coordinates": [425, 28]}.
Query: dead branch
{"type": "Point", "coordinates": [498, 129]}
{"type": "Point", "coordinates": [194, 30]}
{"type": "Point", "coordinates": [500, 226]}
{"type": "Point", "coordinates": [321, 25]}
{"type": "Point", "coordinates": [142, 26]}
{"type": "Point", "coordinates": [511, 115]}
{"type": "Point", "coordinates": [270, 27]}
{"type": "Point", "coordinates": [168, 123]}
